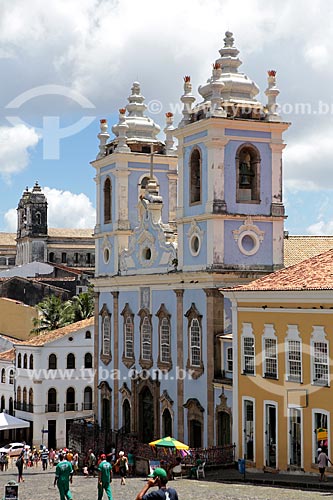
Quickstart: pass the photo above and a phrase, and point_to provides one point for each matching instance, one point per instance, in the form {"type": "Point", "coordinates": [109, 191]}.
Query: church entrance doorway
{"type": "Point", "coordinates": [146, 415]}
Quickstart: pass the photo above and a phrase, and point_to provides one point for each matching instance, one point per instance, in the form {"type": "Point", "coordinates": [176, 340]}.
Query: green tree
{"type": "Point", "coordinates": [53, 314]}
{"type": "Point", "coordinates": [83, 305]}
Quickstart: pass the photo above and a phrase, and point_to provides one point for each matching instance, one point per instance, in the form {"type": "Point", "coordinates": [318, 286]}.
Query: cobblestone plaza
{"type": "Point", "coordinates": [38, 485]}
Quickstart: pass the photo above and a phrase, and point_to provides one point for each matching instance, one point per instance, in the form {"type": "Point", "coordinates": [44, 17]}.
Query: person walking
{"type": "Point", "coordinates": [91, 462]}
{"type": "Point", "coordinates": [322, 464]}
{"type": "Point", "coordinates": [63, 476]}
{"type": "Point", "coordinates": [104, 478]}
{"type": "Point", "coordinates": [122, 463]}
{"type": "Point", "coordinates": [158, 478]}
{"type": "Point", "coordinates": [19, 464]}
{"type": "Point", "coordinates": [45, 457]}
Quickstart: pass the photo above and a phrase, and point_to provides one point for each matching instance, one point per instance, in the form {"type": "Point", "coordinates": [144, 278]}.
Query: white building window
{"type": "Point", "coordinates": [319, 357]}
{"type": "Point", "coordinates": [195, 341]}
{"type": "Point", "coordinates": [129, 337]}
{"type": "Point", "coordinates": [293, 354]}
{"type": "Point", "coordinates": [248, 350]}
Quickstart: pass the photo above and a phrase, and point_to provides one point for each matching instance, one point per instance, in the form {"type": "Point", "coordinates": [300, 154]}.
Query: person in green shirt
{"type": "Point", "coordinates": [63, 476]}
{"type": "Point", "coordinates": [104, 478]}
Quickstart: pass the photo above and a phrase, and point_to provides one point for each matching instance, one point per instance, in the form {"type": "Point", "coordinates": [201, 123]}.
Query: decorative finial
{"type": "Point", "coordinates": [272, 92]}
{"type": "Point", "coordinates": [36, 188]}
{"type": "Point", "coordinates": [187, 99]}
{"type": "Point", "coordinates": [122, 137]}
{"type": "Point", "coordinates": [103, 137]}
{"type": "Point", "coordinates": [229, 39]}
{"type": "Point", "coordinates": [168, 130]}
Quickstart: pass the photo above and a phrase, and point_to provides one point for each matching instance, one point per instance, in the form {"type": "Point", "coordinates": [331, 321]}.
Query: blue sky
{"type": "Point", "coordinates": [96, 48]}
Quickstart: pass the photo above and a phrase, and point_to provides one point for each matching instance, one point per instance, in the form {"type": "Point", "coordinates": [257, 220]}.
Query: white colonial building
{"type": "Point", "coordinates": [54, 382]}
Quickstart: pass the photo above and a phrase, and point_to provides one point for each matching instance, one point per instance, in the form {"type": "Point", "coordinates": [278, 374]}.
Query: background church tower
{"type": "Point", "coordinates": [122, 173]}
{"type": "Point", "coordinates": [32, 227]}
{"type": "Point", "coordinates": [230, 214]}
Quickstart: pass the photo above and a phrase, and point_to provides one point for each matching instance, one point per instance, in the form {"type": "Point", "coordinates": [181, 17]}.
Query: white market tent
{"type": "Point", "coordinates": [9, 422]}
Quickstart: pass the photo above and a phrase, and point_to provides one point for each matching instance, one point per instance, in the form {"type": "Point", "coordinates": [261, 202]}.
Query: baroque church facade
{"type": "Point", "coordinates": [173, 227]}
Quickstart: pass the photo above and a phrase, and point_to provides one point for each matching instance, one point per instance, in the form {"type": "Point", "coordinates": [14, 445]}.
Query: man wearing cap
{"type": "Point", "coordinates": [104, 478]}
{"type": "Point", "coordinates": [158, 478]}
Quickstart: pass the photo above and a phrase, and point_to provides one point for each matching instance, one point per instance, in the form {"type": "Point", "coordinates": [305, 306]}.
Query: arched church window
{"type": "Point", "coordinates": [107, 200]}
{"type": "Point", "coordinates": [194, 361]}
{"type": "Point", "coordinates": [146, 335]}
{"type": "Point", "coordinates": [164, 327]}
{"type": "Point", "coordinates": [38, 218]}
{"type": "Point", "coordinates": [195, 177]}
{"type": "Point", "coordinates": [248, 174]}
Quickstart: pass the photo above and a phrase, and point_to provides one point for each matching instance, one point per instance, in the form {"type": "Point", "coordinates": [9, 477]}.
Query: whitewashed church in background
{"type": "Point", "coordinates": [173, 226]}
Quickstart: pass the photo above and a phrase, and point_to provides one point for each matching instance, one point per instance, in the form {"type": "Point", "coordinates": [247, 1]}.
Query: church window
{"type": "Point", "coordinates": [107, 201]}
{"type": "Point", "coordinates": [195, 177]}
{"type": "Point", "coordinates": [88, 360]}
{"type": "Point", "coordinates": [248, 174]}
{"type": "Point", "coordinates": [88, 334]}
{"type": "Point", "coordinates": [3, 376]}
{"type": "Point", "coordinates": [164, 327]}
{"type": "Point", "coordinates": [51, 256]}
{"type": "Point", "coordinates": [146, 339]}
{"type": "Point", "coordinates": [25, 361]}
{"type": "Point", "coordinates": [63, 257]}
{"type": "Point", "coordinates": [76, 258]}
{"type": "Point", "coordinates": [31, 362]}
{"type": "Point", "coordinates": [194, 361]}
{"type": "Point", "coordinates": [106, 336]}
{"type": "Point", "coordinates": [106, 255]}
{"type": "Point", "coordinates": [11, 377]}
{"type": "Point", "coordinates": [146, 334]}
{"type": "Point", "coordinates": [88, 258]}
{"type": "Point", "coordinates": [144, 182]}
{"type": "Point", "coordinates": [19, 361]}
{"type": "Point", "coordinates": [105, 352]}
{"type": "Point", "coordinates": [38, 218]}
{"type": "Point", "coordinates": [128, 336]}
{"type": "Point", "coordinates": [147, 253]}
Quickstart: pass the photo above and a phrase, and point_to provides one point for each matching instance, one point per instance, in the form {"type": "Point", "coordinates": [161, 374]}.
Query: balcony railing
{"type": "Point", "coordinates": [52, 407]}
{"type": "Point", "coordinates": [24, 406]}
{"type": "Point", "coordinates": [70, 407]}
{"type": "Point", "coordinates": [87, 406]}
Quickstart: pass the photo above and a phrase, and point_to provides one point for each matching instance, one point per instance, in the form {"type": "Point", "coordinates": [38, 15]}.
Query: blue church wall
{"type": "Point", "coordinates": [201, 258]}
{"type": "Point", "coordinates": [138, 171]}
{"type": "Point", "coordinates": [264, 207]}
{"type": "Point", "coordinates": [233, 255]}
{"type": "Point", "coordinates": [103, 267]}
{"type": "Point", "coordinates": [194, 210]}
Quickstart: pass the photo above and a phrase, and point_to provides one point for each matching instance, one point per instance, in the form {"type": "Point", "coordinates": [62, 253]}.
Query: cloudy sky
{"type": "Point", "coordinates": [68, 63]}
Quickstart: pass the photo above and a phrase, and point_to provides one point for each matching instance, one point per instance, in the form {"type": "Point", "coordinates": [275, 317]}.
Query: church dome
{"type": "Point", "coordinates": [234, 88]}
{"type": "Point", "coordinates": [140, 128]}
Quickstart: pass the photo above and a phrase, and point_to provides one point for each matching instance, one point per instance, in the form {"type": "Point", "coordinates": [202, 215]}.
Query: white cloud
{"type": "Point", "coordinates": [65, 210]}
{"type": "Point", "coordinates": [15, 143]}
{"type": "Point", "coordinates": [321, 228]}
{"type": "Point", "coordinates": [318, 56]}
{"type": "Point", "coordinates": [309, 161]}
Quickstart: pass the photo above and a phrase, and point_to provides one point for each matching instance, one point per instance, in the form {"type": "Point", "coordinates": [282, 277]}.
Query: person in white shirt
{"type": "Point", "coordinates": [322, 464]}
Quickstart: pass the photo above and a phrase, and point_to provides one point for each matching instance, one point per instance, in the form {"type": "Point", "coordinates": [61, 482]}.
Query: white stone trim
{"type": "Point", "coordinates": [235, 408]}
{"type": "Point", "coordinates": [248, 228]}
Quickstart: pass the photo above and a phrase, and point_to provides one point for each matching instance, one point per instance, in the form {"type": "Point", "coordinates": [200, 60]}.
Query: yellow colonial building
{"type": "Point", "coordinates": [283, 346]}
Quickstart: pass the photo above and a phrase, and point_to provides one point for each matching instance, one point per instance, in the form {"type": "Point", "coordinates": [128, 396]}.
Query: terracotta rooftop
{"type": "Point", "coordinates": [8, 239]}
{"type": "Point", "coordinates": [8, 355]}
{"type": "Point", "coordinates": [315, 273]}
{"type": "Point", "coordinates": [298, 248]}
{"type": "Point", "coordinates": [70, 233]}
{"type": "Point", "coordinates": [45, 338]}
